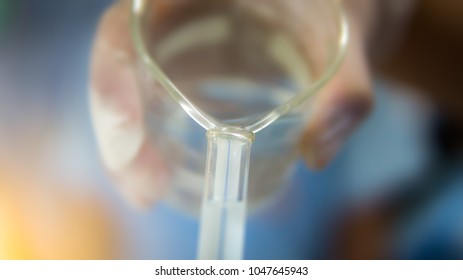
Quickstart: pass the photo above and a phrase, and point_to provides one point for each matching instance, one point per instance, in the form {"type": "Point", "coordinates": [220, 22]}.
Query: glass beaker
{"type": "Point", "coordinates": [231, 67]}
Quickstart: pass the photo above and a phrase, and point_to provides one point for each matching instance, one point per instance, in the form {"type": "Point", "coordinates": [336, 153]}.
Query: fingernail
{"type": "Point", "coordinates": [118, 136]}
{"type": "Point", "coordinates": [331, 131]}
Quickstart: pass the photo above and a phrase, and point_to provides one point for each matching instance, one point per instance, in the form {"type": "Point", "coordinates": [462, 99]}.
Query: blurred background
{"type": "Point", "coordinates": [395, 192]}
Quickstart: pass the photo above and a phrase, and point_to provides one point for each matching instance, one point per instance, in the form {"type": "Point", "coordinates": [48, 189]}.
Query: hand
{"type": "Point", "coordinates": [117, 110]}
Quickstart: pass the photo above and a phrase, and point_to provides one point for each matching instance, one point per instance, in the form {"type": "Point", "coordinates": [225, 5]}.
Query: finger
{"type": "Point", "coordinates": [118, 115]}
{"type": "Point", "coordinates": [339, 108]}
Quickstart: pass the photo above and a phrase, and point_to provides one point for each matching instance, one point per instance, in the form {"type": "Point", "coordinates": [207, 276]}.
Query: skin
{"type": "Point", "coordinates": [117, 114]}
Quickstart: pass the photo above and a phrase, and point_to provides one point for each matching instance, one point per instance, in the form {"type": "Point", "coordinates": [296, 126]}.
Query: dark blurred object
{"type": "Point", "coordinates": [448, 137]}
{"type": "Point", "coordinates": [368, 231]}
{"type": "Point", "coordinates": [431, 55]}
{"type": "Point", "coordinates": [429, 58]}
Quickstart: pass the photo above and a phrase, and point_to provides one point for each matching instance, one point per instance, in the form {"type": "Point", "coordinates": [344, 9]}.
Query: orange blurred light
{"type": "Point", "coordinates": [42, 221]}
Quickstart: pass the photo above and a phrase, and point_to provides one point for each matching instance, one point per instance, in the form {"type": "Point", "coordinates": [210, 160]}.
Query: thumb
{"type": "Point", "coordinates": [339, 108]}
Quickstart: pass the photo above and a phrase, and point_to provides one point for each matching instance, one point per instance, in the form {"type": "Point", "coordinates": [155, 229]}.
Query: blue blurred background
{"type": "Point", "coordinates": [395, 192]}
